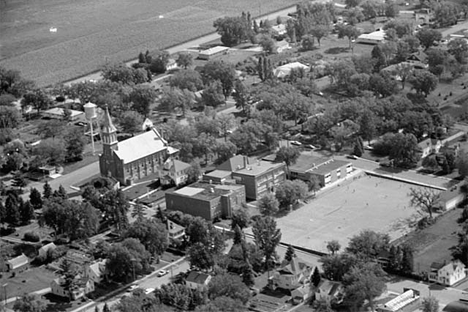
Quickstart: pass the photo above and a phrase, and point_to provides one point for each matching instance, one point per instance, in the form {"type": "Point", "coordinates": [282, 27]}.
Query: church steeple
{"type": "Point", "coordinates": [108, 132]}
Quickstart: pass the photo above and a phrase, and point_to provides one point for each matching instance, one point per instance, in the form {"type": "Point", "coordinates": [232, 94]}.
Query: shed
{"type": "Point", "coordinates": [58, 113]}
{"type": "Point", "coordinates": [285, 70]}
{"type": "Point", "coordinates": [18, 264]}
{"type": "Point", "coordinates": [375, 37]}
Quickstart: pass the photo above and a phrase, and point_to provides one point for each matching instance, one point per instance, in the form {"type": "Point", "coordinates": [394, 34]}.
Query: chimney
{"type": "Point", "coordinates": [246, 161]}
{"type": "Point", "coordinates": [211, 190]}
{"type": "Point", "coordinates": [211, 182]}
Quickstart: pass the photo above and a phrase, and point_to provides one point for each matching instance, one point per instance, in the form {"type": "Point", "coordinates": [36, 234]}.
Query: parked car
{"type": "Point", "coordinates": [352, 156]}
{"type": "Point", "coordinates": [310, 146]}
{"type": "Point", "coordinates": [297, 143]}
{"type": "Point", "coordinates": [162, 273]}
{"type": "Point", "coordinates": [149, 290]}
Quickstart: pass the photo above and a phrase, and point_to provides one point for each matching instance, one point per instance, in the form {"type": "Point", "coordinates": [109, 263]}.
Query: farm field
{"type": "Point", "coordinates": [364, 202]}
{"type": "Point", "coordinates": [91, 33]}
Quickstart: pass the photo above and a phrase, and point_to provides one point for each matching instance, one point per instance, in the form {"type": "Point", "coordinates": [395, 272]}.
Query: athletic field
{"type": "Point", "coordinates": [360, 203]}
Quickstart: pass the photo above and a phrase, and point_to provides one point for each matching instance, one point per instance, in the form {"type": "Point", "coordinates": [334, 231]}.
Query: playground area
{"type": "Point", "coordinates": [362, 202]}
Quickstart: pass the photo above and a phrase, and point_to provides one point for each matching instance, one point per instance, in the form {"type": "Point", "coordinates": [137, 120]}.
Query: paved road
{"type": "Point", "coordinates": [189, 44]}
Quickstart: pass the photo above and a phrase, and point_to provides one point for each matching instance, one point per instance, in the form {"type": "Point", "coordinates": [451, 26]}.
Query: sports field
{"type": "Point", "coordinates": [91, 32]}
{"type": "Point", "coordinates": [362, 203]}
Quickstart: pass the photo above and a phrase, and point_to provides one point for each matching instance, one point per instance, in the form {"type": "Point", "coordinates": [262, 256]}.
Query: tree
{"type": "Point", "coordinates": [424, 200]}
{"type": "Point", "coordinates": [225, 123]}
{"type": "Point", "coordinates": [333, 246]}
{"type": "Point", "coordinates": [187, 79]}
{"type": "Point", "coordinates": [404, 150]}
{"type": "Point", "coordinates": [267, 43]}
{"type": "Point", "coordinates": [290, 192]}
{"type": "Point", "coordinates": [430, 304]}
{"type": "Point", "coordinates": [238, 235]}
{"type": "Point", "coordinates": [423, 81]}
{"type": "Point", "coordinates": [288, 155]}
{"type": "Point", "coordinates": [126, 260]}
{"type": "Point", "coordinates": [358, 148]}
{"type": "Point", "coordinates": [430, 163]}
{"type": "Point", "coordinates": [200, 257]}
{"type": "Point", "coordinates": [307, 43]}
{"type": "Point", "coordinates": [349, 31]}
{"type": "Point", "coordinates": [240, 218]}
{"type": "Point", "coordinates": [224, 72]}
{"type": "Point", "coordinates": [12, 209]}
{"type": "Point", "coordinates": [131, 122]}
{"type": "Point", "coordinates": [404, 71]}
{"type": "Point", "coordinates": [225, 151]}
{"type": "Point", "coordinates": [9, 117]}
{"type": "Point", "coordinates": [462, 164]}
{"type": "Point", "coordinates": [7, 99]}
{"type": "Point", "coordinates": [120, 72]}
{"type": "Point", "coordinates": [138, 212]}
{"type": "Point", "coordinates": [114, 206]}
{"type": "Point", "coordinates": [336, 266]}
{"type": "Point", "coordinates": [428, 36]}
{"type": "Point", "coordinates": [364, 282]}
{"type": "Point", "coordinates": [51, 128]}
{"type": "Point", "coordinates": [142, 97]}
{"type": "Point", "coordinates": [29, 303]}
{"type": "Point", "coordinates": [184, 60]}
{"type": "Point", "coordinates": [158, 62]}
{"type": "Point", "coordinates": [47, 191]}
{"type": "Point", "coordinates": [152, 234]}
{"type": "Point", "coordinates": [229, 286]}
{"type": "Point", "coordinates": [222, 304]}
{"type": "Point", "coordinates": [241, 96]}
{"type": "Point", "coordinates": [459, 49]}
{"type": "Point", "coordinates": [445, 14]}
{"type": "Point", "coordinates": [315, 279]}
{"type": "Point", "coordinates": [213, 95]}
{"type": "Point", "coordinates": [268, 204]}
{"type": "Point", "coordinates": [26, 211]}
{"type": "Point", "coordinates": [290, 254]}
{"type": "Point", "coordinates": [266, 237]}
{"type": "Point", "coordinates": [194, 172]}
{"type": "Point", "coordinates": [319, 32]}
{"type": "Point", "coordinates": [3, 217]}
{"type": "Point", "coordinates": [74, 142]}
{"type": "Point", "coordinates": [391, 9]}
{"type": "Point", "coordinates": [106, 308]}
{"type": "Point", "coordinates": [37, 99]}
{"type": "Point", "coordinates": [69, 271]}
{"type": "Point", "coordinates": [233, 30]}
{"type": "Point", "coordinates": [368, 244]}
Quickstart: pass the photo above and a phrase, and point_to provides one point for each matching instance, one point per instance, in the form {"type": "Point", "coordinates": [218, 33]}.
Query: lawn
{"type": "Point", "coordinates": [91, 33]}
{"type": "Point", "coordinates": [432, 243]}
{"type": "Point", "coordinates": [361, 202]}
{"type": "Point", "coordinates": [34, 279]}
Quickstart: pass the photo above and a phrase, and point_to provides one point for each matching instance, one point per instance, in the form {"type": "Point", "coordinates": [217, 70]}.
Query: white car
{"type": "Point", "coordinates": [149, 290]}
{"type": "Point", "coordinates": [133, 287]}
{"type": "Point", "coordinates": [296, 143]}
{"type": "Point", "coordinates": [162, 273]}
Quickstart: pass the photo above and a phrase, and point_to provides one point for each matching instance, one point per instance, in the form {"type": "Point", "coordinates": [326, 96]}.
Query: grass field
{"type": "Point", "coordinates": [89, 33]}
{"type": "Point", "coordinates": [368, 202]}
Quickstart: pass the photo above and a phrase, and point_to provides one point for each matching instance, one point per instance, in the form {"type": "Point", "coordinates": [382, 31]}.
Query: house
{"type": "Point", "coordinates": [284, 70]}
{"type": "Point", "coordinates": [258, 176]}
{"type": "Point", "coordinates": [171, 64]}
{"type": "Point", "coordinates": [18, 264]}
{"type": "Point", "coordinates": [419, 57]}
{"type": "Point", "coordinates": [409, 300]}
{"type": "Point", "coordinates": [375, 37]}
{"type": "Point", "coordinates": [212, 52]}
{"type": "Point", "coordinates": [429, 146]}
{"type": "Point", "coordinates": [96, 271]}
{"type": "Point", "coordinates": [133, 159]}
{"type": "Point", "coordinates": [78, 257]}
{"type": "Point", "coordinates": [300, 294]}
{"type": "Point", "coordinates": [45, 250]}
{"type": "Point", "coordinates": [451, 197]}
{"type": "Point", "coordinates": [326, 170]}
{"type": "Point", "coordinates": [175, 172]}
{"type": "Point", "coordinates": [423, 16]}
{"type": "Point", "coordinates": [291, 275]}
{"type": "Point", "coordinates": [209, 201]}
{"type": "Point", "coordinates": [83, 287]}
{"type": "Point", "coordinates": [217, 176]}
{"type": "Point", "coordinates": [197, 280]}
{"type": "Point", "coordinates": [174, 230]}
{"type": "Point", "coordinates": [281, 46]}
{"type": "Point", "coordinates": [279, 30]}
{"type": "Point", "coordinates": [58, 113]}
{"type": "Point", "coordinates": [329, 290]}
{"type": "Point", "coordinates": [447, 273]}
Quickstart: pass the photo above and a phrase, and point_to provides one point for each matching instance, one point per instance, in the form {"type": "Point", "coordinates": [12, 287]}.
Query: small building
{"type": "Point", "coordinates": [175, 172]}
{"type": "Point", "coordinates": [447, 273]}
{"type": "Point", "coordinates": [408, 301]}
{"type": "Point", "coordinates": [44, 251]}
{"type": "Point", "coordinates": [423, 16]}
{"type": "Point", "coordinates": [205, 200]}
{"type": "Point", "coordinates": [300, 294]}
{"type": "Point", "coordinates": [96, 271]}
{"type": "Point", "coordinates": [171, 64]}
{"type": "Point", "coordinates": [279, 30]}
{"type": "Point", "coordinates": [281, 46]}
{"type": "Point", "coordinates": [284, 70]}
{"type": "Point", "coordinates": [217, 176]}
{"type": "Point", "coordinates": [174, 230]}
{"type": "Point", "coordinates": [258, 176]}
{"type": "Point", "coordinates": [450, 198]}
{"type": "Point", "coordinates": [429, 146]}
{"type": "Point", "coordinates": [419, 57]}
{"type": "Point", "coordinates": [18, 264]}
{"type": "Point", "coordinates": [375, 37]}
{"type": "Point", "coordinates": [58, 113]}
{"type": "Point", "coordinates": [329, 291]}
{"type": "Point", "coordinates": [83, 287]}
{"type": "Point", "coordinates": [291, 275]}
{"type": "Point", "coordinates": [325, 170]}
{"type": "Point", "coordinates": [212, 52]}
{"type": "Point", "coordinates": [197, 280]}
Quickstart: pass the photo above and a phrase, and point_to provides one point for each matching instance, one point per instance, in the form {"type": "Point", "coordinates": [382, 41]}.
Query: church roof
{"type": "Point", "coordinates": [107, 125]}
{"type": "Point", "coordinates": [140, 146]}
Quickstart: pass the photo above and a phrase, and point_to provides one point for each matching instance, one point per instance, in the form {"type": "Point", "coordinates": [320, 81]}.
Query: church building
{"type": "Point", "coordinates": [135, 158]}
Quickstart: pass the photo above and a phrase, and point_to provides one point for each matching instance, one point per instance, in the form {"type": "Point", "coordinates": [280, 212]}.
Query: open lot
{"type": "Point", "coordinates": [91, 33]}
{"type": "Point", "coordinates": [361, 203]}
{"type": "Point", "coordinates": [34, 279]}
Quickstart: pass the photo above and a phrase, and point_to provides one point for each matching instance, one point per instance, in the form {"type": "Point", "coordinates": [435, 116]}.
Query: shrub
{"type": "Point", "coordinates": [31, 237]}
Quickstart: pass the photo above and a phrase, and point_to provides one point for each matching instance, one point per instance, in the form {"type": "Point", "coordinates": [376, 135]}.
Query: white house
{"type": "Point", "coordinates": [174, 172]}
{"type": "Point", "coordinates": [291, 275]}
{"type": "Point", "coordinates": [375, 37]}
{"type": "Point", "coordinates": [18, 264]}
{"type": "Point", "coordinates": [83, 287]}
{"type": "Point", "coordinates": [96, 271]}
{"type": "Point", "coordinates": [44, 250]}
{"type": "Point", "coordinates": [409, 300]}
{"type": "Point", "coordinates": [447, 273]}
{"type": "Point", "coordinates": [330, 291]}
{"type": "Point", "coordinates": [285, 70]}
{"type": "Point", "coordinates": [429, 146]}
{"type": "Point", "coordinates": [196, 280]}
{"type": "Point", "coordinates": [281, 46]}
